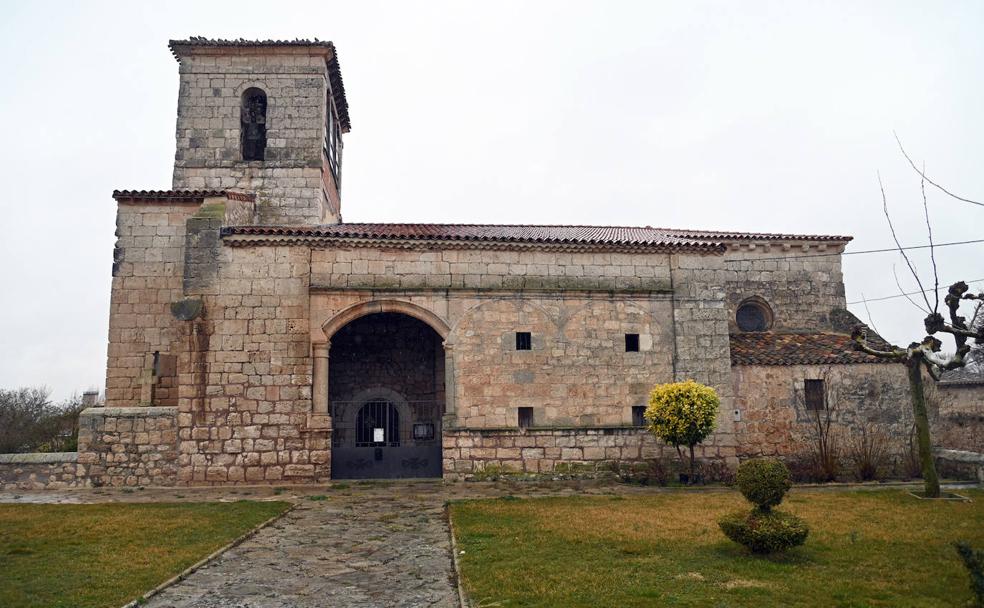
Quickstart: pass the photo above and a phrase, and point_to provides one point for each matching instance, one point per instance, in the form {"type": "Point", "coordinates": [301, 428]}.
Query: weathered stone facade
{"type": "Point", "coordinates": [257, 327]}
{"type": "Point", "coordinates": [775, 420]}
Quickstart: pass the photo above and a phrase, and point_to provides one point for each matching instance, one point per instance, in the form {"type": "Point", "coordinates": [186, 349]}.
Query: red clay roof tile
{"type": "Point", "coordinates": [770, 348]}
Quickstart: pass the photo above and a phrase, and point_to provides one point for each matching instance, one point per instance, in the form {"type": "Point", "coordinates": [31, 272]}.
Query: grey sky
{"type": "Point", "coordinates": [746, 116]}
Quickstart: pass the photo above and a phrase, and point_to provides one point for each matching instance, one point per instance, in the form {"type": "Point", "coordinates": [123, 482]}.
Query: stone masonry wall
{"type": "Point", "coordinates": [801, 292]}
{"type": "Point", "coordinates": [291, 182]}
{"type": "Point", "coordinates": [961, 417]}
{"type": "Point", "coordinates": [147, 278]}
{"type": "Point", "coordinates": [577, 371]}
{"type": "Point", "coordinates": [871, 398]}
{"type": "Point", "coordinates": [474, 452]}
{"type": "Point", "coordinates": [129, 446]}
{"type": "Point", "coordinates": [578, 308]}
{"type": "Point", "coordinates": [244, 414]}
{"type": "Point", "coordinates": [47, 471]}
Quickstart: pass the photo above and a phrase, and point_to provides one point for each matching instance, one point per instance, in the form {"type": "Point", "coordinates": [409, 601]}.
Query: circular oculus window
{"type": "Point", "coordinates": [753, 316]}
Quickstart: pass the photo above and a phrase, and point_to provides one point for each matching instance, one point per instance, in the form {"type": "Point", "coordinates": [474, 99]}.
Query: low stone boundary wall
{"type": "Point", "coordinates": [578, 451]}
{"type": "Point", "coordinates": [129, 446]}
{"type": "Point", "coordinates": [41, 471]}
{"type": "Point", "coordinates": [972, 460]}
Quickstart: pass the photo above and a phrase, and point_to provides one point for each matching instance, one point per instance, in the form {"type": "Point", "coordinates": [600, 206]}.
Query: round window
{"type": "Point", "coordinates": [753, 315]}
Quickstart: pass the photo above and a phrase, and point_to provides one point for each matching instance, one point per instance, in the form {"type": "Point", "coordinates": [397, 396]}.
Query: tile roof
{"type": "Point", "coordinates": [180, 47]}
{"type": "Point", "coordinates": [184, 196]}
{"type": "Point", "coordinates": [760, 236]}
{"type": "Point", "coordinates": [623, 236]}
{"type": "Point", "coordinates": [614, 236]}
{"type": "Point", "coordinates": [771, 348]}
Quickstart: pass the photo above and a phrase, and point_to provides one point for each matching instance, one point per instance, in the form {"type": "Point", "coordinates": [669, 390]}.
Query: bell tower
{"type": "Point", "coordinates": [266, 117]}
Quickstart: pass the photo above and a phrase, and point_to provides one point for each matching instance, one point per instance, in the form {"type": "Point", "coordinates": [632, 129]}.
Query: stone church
{"type": "Point", "coordinates": [256, 337]}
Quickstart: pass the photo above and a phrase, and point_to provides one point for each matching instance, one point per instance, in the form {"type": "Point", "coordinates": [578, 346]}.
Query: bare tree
{"type": "Point", "coordinates": [824, 448]}
{"type": "Point", "coordinates": [927, 355]}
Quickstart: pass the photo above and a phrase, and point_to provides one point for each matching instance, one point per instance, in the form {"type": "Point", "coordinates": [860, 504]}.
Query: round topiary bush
{"type": "Point", "coordinates": [765, 531]}
{"type": "Point", "coordinates": [763, 481]}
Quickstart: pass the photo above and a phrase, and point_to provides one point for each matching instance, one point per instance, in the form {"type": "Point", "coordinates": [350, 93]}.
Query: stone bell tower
{"type": "Point", "coordinates": [266, 117]}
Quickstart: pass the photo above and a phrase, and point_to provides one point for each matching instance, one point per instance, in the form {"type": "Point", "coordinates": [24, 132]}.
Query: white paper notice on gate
{"type": "Point", "coordinates": [378, 436]}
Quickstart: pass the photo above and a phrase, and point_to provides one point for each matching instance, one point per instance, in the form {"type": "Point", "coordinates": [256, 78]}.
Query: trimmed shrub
{"type": "Point", "coordinates": [763, 482]}
{"type": "Point", "coordinates": [765, 531]}
{"type": "Point", "coordinates": [974, 562]}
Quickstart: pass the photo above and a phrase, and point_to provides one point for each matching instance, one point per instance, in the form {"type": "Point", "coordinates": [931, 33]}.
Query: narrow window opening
{"type": "Point", "coordinates": [631, 343]}
{"type": "Point", "coordinates": [333, 139]}
{"type": "Point", "coordinates": [524, 340]}
{"type": "Point", "coordinates": [638, 415]}
{"type": "Point", "coordinates": [816, 395]}
{"type": "Point", "coordinates": [525, 417]}
{"type": "Point", "coordinates": [253, 124]}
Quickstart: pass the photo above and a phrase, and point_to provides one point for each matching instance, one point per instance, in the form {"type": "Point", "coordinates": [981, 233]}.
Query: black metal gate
{"type": "Point", "coordinates": [378, 451]}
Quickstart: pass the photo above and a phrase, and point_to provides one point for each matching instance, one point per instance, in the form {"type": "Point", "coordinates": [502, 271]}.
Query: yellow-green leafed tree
{"type": "Point", "coordinates": [682, 414]}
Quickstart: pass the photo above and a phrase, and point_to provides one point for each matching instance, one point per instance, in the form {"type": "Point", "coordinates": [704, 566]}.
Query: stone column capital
{"type": "Point", "coordinates": [321, 349]}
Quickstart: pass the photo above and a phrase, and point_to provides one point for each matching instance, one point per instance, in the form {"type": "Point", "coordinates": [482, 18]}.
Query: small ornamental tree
{"type": "Point", "coordinates": [682, 414]}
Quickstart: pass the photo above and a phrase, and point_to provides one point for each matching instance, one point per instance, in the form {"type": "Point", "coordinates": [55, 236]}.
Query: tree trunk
{"type": "Point", "coordinates": [693, 480]}
{"type": "Point", "coordinates": [932, 481]}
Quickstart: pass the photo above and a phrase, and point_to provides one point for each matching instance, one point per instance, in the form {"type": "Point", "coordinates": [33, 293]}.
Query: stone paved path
{"type": "Point", "coordinates": [345, 551]}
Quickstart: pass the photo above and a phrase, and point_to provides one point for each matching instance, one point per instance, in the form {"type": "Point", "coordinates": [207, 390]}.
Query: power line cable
{"type": "Point", "coordinates": [902, 295]}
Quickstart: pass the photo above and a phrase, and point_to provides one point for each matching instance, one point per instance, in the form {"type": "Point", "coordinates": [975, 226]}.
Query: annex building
{"type": "Point", "coordinates": [256, 337]}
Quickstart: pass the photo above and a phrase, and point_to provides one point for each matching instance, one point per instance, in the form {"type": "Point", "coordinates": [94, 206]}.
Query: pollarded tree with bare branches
{"type": "Point", "coordinates": [927, 355]}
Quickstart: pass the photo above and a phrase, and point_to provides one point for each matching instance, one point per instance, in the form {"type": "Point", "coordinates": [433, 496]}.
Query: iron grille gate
{"type": "Point", "coordinates": [379, 448]}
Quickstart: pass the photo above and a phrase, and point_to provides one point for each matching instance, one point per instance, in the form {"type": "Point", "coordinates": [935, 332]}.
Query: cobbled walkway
{"type": "Point", "coordinates": [344, 551]}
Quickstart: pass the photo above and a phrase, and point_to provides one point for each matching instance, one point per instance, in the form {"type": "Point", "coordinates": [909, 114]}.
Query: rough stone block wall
{"type": "Point", "coordinates": [801, 292]}
{"type": "Point", "coordinates": [960, 415]}
{"type": "Point", "coordinates": [244, 408]}
{"type": "Point", "coordinates": [147, 278]}
{"type": "Point", "coordinates": [290, 182]}
{"type": "Point", "coordinates": [129, 446]}
{"type": "Point", "coordinates": [48, 471]}
{"type": "Point", "coordinates": [393, 268]}
{"type": "Point", "coordinates": [577, 371]}
{"type": "Point", "coordinates": [872, 398]}
{"type": "Point", "coordinates": [472, 452]}
{"type": "Point", "coordinates": [700, 332]}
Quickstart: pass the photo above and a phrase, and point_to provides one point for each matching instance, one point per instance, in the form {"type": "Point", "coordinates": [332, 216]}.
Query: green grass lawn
{"type": "Point", "coordinates": [877, 548]}
{"type": "Point", "coordinates": [105, 555]}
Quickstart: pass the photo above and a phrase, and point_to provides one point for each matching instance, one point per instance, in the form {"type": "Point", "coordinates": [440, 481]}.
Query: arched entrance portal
{"type": "Point", "coordinates": [386, 393]}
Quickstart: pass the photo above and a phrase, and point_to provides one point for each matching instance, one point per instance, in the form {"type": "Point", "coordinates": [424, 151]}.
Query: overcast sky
{"type": "Point", "coordinates": [753, 116]}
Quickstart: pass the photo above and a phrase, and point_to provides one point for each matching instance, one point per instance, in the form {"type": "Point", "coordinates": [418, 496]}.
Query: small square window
{"type": "Point", "coordinates": [631, 343]}
{"type": "Point", "coordinates": [816, 395]}
{"type": "Point", "coordinates": [638, 415]}
{"type": "Point", "coordinates": [525, 417]}
{"type": "Point", "coordinates": [524, 340]}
